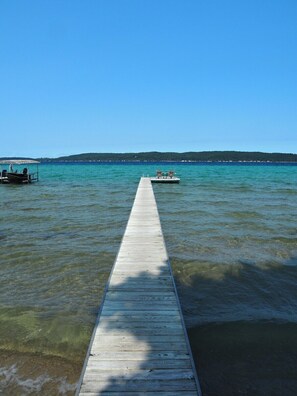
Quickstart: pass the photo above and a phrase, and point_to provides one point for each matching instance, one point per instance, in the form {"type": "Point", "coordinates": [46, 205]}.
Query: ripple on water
{"type": "Point", "coordinates": [230, 234]}
{"type": "Point", "coordinates": [33, 374]}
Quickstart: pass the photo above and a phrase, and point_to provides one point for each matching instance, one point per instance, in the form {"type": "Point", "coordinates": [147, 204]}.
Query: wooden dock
{"type": "Point", "coordinates": [140, 345]}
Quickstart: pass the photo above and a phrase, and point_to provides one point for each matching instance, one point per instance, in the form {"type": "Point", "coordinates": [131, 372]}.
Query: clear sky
{"type": "Point", "coordinates": [143, 75]}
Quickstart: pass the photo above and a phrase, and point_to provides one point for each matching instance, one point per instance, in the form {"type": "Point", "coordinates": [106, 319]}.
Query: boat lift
{"type": "Point", "coordinates": [12, 176]}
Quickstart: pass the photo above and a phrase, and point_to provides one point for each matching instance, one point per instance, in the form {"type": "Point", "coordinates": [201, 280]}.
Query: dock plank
{"type": "Point", "coordinates": [155, 393]}
{"type": "Point", "coordinates": [139, 344]}
{"type": "Point", "coordinates": [114, 385]}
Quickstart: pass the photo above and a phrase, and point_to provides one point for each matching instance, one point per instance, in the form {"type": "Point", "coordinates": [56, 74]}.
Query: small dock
{"type": "Point", "coordinates": [139, 344]}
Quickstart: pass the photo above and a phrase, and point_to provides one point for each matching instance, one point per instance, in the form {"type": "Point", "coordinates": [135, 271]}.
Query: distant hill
{"type": "Point", "coordinates": [154, 156]}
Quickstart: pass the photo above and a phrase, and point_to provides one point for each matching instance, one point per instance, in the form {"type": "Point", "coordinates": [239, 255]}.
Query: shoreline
{"type": "Point", "coordinates": [186, 162]}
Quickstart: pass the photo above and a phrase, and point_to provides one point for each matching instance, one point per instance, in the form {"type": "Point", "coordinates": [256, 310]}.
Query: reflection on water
{"type": "Point", "coordinates": [232, 237]}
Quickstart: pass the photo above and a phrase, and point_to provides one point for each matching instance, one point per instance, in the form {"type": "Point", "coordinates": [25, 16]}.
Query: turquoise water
{"type": "Point", "coordinates": [231, 235]}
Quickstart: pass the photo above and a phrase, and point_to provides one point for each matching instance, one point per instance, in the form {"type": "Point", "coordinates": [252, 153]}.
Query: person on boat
{"type": "Point", "coordinates": [10, 168]}
{"type": "Point", "coordinates": [25, 171]}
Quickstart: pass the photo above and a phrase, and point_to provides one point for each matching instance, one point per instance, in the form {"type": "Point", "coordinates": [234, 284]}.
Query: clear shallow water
{"type": "Point", "coordinates": [231, 234]}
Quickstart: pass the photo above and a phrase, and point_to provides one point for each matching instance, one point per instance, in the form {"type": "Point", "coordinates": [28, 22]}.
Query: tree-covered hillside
{"type": "Point", "coordinates": [172, 156]}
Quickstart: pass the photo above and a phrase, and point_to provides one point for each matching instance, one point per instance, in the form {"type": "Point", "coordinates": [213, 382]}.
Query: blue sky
{"type": "Point", "coordinates": [142, 75]}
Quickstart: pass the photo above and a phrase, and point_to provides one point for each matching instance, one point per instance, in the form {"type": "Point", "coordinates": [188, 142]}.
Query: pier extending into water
{"type": "Point", "coordinates": [139, 344]}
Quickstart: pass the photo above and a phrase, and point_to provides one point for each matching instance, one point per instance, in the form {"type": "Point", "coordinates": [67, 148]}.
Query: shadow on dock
{"type": "Point", "coordinates": [245, 354]}
{"type": "Point", "coordinates": [144, 348]}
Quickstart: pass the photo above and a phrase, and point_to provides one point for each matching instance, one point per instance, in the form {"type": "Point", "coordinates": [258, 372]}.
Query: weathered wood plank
{"type": "Point", "coordinates": [141, 328]}
{"type": "Point", "coordinates": [119, 365]}
{"type": "Point", "coordinates": [143, 375]}
{"type": "Point", "coordinates": [130, 301]}
{"type": "Point", "coordinates": [140, 295]}
{"type": "Point", "coordinates": [139, 306]}
{"type": "Point", "coordinates": [159, 259]}
{"type": "Point", "coordinates": [123, 271]}
{"type": "Point", "coordinates": [145, 357]}
{"type": "Point", "coordinates": [114, 385]}
{"type": "Point", "coordinates": [129, 338]}
{"type": "Point", "coordinates": [163, 316]}
{"type": "Point", "coordinates": [143, 333]}
{"type": "Point", "coordinates": [141, 278]}
{"type": "Point", "coordinates": [113, 318]}
{"type": "Point", "coordinates": [139, 346]}
{"type": "Point", "coordinates": [142, 285]}
{"type": "Point", "coordinates": [140, 281]}
{"type": "Point", "coordinates": [136, 393]}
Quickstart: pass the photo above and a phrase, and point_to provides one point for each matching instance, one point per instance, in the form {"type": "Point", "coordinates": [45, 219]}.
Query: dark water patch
{"type": "Point", "coordinates": [283, 191]}
{"type": "Point", "coordinates": [242, 214]}
{"type": "Point", "coordinates": [47, 196]}
{"type": "Point", "coordinates": [286, 240]}
{"type": "Point", "coordinates": [246, 358]}
{"type": "Point", "coordinates": [244, 188]}
{"type": "Point", "coordinates": [24, 217]}
{"type": "Point", "coordinates": [212, 292]}
{"type": "Point", "coordinates": [36, 209]}
{"type": "Point", "coordinates": [58, 235]}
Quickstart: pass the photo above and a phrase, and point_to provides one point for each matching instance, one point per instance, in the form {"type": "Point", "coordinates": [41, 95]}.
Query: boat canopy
{"type": "Point", "coordinates": [18, 161]}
